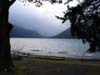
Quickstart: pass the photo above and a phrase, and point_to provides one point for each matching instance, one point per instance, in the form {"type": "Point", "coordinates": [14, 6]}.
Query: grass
{"type": "Point", "coordinates": [55, 66]}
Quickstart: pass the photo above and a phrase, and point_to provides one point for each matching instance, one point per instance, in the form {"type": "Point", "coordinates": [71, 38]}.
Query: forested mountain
{"type": "Point", "coordinates": [18, 32]}
{"type": "Point", "coordinates": [64, 34]}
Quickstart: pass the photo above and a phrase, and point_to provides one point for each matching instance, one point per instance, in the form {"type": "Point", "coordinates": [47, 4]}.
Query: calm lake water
{"type": "Point", "coordinates": [53, 47]}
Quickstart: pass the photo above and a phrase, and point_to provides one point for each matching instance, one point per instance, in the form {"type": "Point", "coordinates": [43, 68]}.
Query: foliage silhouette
{"type": "Point", "coordinates": [85, 22]}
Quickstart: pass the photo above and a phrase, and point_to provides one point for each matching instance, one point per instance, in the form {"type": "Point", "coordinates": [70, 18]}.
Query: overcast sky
{"type": "Point", "coordinates": [41, 19]}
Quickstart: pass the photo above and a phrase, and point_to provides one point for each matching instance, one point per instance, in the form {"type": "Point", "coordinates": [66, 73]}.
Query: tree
{"type": "Point", "coordinates": [5, 28]}
{"type": "Point", "coordinates": [85, 22]}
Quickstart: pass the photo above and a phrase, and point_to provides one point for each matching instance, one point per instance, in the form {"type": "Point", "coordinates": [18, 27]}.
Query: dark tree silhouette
{"type": "Point", "coordinates": [85, 22]}
{"type": "Point", "coordinates": [5, 28]}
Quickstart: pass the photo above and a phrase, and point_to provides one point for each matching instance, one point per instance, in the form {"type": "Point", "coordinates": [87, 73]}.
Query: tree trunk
{"type": "Point", "coordinates": [5, 28]}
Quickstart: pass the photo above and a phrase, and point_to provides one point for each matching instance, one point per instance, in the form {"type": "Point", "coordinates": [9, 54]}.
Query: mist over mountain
{"type": "Point", "coordinates": [18, 32]}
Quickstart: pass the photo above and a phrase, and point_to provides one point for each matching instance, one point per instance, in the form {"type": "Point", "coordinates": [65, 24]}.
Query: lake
{"type": "Point", "coordinates": [53, 47]}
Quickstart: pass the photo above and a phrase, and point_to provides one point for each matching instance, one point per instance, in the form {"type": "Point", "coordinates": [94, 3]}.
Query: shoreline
{"type": "Point", "coordinates": [20, 54]}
